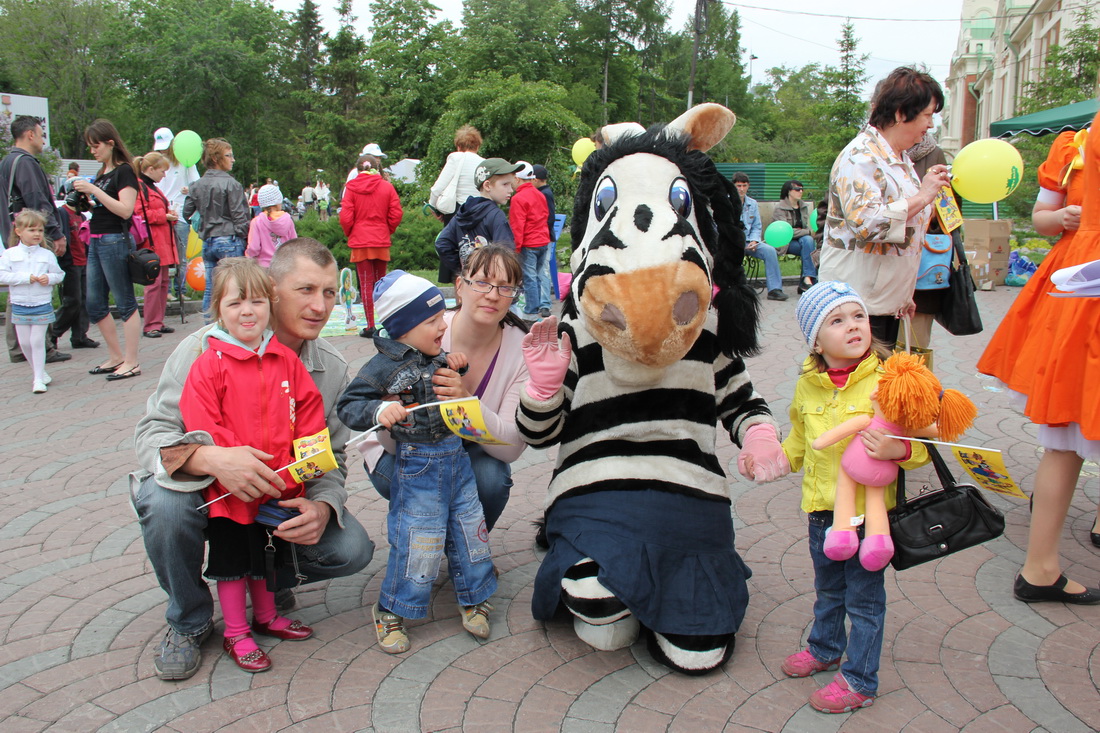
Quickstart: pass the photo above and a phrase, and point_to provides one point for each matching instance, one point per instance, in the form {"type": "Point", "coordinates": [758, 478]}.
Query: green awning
{"type": "Point", "coordinates": [1070, 117]}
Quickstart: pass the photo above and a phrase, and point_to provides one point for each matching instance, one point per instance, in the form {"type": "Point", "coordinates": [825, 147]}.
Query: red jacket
{"type": "Point", "coordinates": [370, 211]}
{"type": "Point", "coordinates": [242, 398]}
{"type": "Point", "coordinates": [527, 213]}
{"type": "Point", "coordinates": [153, 207]}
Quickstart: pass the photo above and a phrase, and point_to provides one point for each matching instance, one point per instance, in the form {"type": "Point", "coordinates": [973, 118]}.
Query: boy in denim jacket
{"type": "Point", "coordinates": [434, 507]}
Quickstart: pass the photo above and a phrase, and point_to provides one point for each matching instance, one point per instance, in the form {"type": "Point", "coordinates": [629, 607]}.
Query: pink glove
{"type": "Point", "coordinates": [762, 458]}
{"type": "Point", "coordinates": [547, 362]}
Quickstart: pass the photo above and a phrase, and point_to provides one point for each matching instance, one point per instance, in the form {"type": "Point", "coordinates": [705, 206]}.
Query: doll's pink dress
{"type": "Point", "coordinates": [863, 468]}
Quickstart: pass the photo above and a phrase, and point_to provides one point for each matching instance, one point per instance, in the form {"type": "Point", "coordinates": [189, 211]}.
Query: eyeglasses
{"type": "Point", "coordinates": [505, 291]}
{"type": "Point", "coordinates": [796, 188]}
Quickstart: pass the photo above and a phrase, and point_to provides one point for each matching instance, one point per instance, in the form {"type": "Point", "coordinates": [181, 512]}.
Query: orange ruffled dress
{"type": "Point", "coordinates": [1047, 348]}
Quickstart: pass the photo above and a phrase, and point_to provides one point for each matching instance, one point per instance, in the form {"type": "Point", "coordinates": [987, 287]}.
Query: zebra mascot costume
{"type": "Point", "coordinates": [638, 513]}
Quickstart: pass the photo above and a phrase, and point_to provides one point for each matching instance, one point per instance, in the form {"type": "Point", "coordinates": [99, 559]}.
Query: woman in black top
{"type": "Point", "coordinates": [112, 196]}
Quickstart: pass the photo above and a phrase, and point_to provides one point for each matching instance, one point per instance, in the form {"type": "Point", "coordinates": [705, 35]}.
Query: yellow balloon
{"type": "Point", "coordinates": [987, 171]}
{"type": "Point", "coordinates": [582, 149]}
{"type": "Point", "coordinates": [194, 245]}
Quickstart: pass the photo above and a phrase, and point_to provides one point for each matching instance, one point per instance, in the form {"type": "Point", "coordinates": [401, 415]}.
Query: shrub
{"type": "Point", "coordinates": [412, 248]}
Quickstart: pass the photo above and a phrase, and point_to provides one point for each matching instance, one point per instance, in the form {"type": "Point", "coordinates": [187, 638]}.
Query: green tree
{"type": "Point", "coordinates": [514, 37]}
{"type": "Point", "coordinates": [776, 121]}
{"type": "Point", "coordinates": [843, 112]}
{"type": "Point", "coordinates": [309, 41]}
{"type": "Point", "coordinates": [55, 49]}
{"type": "Point", "coordinates": [343, 119]}
{"type": "Point", "coordinates": [411, 58]}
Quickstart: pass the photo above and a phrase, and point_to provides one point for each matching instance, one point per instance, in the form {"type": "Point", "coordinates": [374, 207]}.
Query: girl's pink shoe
{"type": "Point", "coordinates": [841, 544]}
{"type": "Point", "coordinates": [875, 552]}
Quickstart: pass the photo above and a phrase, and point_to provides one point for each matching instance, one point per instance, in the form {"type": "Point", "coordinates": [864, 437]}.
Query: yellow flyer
{"type": "Point", "coordinates": [465, 420]}
{"type": "Point", "coordinates": [311, 444]}
{"type": "Point", "coordinates": [947, 209]}
{"type": "Point", "coordinates": [312, 466]}
{"type": "Point", "coordinates": [987, 469]}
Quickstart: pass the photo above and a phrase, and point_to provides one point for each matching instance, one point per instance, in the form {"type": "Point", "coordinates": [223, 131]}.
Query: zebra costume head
{"type": "Point", "coordinates": [655, 228]}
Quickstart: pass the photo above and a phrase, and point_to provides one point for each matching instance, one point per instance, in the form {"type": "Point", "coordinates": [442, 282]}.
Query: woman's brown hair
{"type": "Point", "coordinates": [214, 152]}
{"type": "Point", "coordinates": [467, 139]}
{"type": "Point", "coordinates": [104, 131]}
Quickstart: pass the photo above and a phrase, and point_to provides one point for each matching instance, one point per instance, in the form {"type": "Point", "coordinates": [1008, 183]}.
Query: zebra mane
{"type": "Point", "coordinates": [718, 212]}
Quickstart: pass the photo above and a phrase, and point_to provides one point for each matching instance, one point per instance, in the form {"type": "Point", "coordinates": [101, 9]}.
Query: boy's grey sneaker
{"type": "Point", "coordinates": [179, 656]}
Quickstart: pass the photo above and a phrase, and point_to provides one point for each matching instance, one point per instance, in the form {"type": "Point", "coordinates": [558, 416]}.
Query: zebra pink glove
{"type": "Point", "coordinates": [762, 458]}
{"type": "Point", "coordinates": [547, 360]}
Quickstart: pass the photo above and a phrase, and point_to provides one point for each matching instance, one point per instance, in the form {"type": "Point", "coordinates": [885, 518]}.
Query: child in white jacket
{"type": "Point", "coordinates": [30, 271]}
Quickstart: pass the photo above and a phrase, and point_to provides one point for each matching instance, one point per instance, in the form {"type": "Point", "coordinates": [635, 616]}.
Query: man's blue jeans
{"type": "Point", "coordinates": [214, 250]}
{"type": "Point", "coordinates": [804, 247]}
{"type": "Point", "coordinates": [845, 588]}
{"type": "Point", "coordinates": [182, 230]}
{"type": "Point", "coordinates": [493, 476]}
{"type": "Point", "coordinates": [536, 278]}
{"type": "Point", "coordinates": [172, 527]}
{"type": "Point", "coordinates": [108, 272]}
{"type": "Point", "coordinates": [434, 511]}
{"type": "Point", "coordinates": [766, 252]}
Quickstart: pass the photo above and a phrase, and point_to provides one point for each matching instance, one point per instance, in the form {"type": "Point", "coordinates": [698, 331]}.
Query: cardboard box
{"type": "Point", "coordinates": [989, 267]}
{"type": "Point", "coordinates": [987, 235]}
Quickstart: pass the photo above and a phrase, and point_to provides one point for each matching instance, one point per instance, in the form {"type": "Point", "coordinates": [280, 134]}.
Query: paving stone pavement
{"type": "Point", "coordinates": [81, 612]}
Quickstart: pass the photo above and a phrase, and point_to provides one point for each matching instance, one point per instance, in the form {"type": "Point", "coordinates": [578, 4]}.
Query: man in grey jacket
{"type": "Point", "coordinates": [176, 465]}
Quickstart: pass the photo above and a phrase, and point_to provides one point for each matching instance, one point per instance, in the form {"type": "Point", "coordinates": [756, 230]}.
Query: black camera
{"type": "Point", "coordinates": [78, 201]}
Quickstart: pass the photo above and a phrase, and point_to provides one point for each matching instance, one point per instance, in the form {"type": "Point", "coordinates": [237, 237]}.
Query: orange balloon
{"type": "Point", "coordinates": [196, 274]}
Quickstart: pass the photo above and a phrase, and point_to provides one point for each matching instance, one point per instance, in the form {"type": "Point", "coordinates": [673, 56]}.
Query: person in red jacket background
{"type": "Point", "coordinates": [528, 214]}
{"type": "Point", "coordinates": [369, 215]}
{"type": "Point", "coordinates": [153, 207]}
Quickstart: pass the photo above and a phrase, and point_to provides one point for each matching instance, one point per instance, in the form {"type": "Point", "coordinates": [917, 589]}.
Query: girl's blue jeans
{"type": "Point", "coordinates": [214, 250]}
{"type": "Point", "coordinates": [845, 588]}
{"type": "Point", "coordinates": [434, 510]}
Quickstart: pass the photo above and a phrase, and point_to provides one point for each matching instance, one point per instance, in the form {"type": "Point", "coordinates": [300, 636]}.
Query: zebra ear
{"type": "Point", "coordinates": [705, 125]}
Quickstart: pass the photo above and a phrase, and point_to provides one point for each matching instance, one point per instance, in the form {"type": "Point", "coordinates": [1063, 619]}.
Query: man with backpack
{"type": "Point", "coordinates": [23, 185]}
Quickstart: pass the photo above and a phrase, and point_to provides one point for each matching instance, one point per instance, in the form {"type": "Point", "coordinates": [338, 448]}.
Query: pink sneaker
{"type": "Point", "coordinates": [804, 664]}
{"type": "Point", "coordinates": [875, 552]}
{"type": "Point", "coordinates": [840, 544]}
{"type": "Point", "coordinates": [836, 697]}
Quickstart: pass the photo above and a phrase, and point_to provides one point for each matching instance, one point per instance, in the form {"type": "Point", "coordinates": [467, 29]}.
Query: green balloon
{"type": "Point", "coordinates": [779, 234]}
{"type": "Point", "coordinates": [813, 220]}
{"type": "Point", "coordinates": [187, 147]}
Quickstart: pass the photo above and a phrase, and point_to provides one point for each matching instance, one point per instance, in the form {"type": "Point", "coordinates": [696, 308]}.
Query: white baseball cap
{"type": "Point", "coordinates": [162, 138]}
{"type": "Point", "coordinates": [373, 149]}
{"type": "Point", "coordinates": [526, 171]}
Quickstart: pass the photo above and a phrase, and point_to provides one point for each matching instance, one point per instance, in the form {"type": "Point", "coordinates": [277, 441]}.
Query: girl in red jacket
{"type": "Point", "coordinates": [247, 389]}
{"type": "Point", "coordinates": [159, 216]}
{"type": "Point", "coordinates": [369, 214]}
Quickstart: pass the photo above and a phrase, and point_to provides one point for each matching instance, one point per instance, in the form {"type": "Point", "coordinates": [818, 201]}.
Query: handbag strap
{"type": "Point", "coordinates": [11, 179]}
{"type": "Point", "coordinates": [960, 253]}
{"type": "Point", "coordinates": [947, 481]}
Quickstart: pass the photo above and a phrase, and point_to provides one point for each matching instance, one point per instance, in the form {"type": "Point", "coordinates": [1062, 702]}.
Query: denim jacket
{"type": "Point", "coordinates": [397, 369]}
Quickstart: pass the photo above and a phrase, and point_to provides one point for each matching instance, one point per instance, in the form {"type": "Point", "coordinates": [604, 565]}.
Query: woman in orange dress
{"type": "Point", "coordinates": [1042, 352]}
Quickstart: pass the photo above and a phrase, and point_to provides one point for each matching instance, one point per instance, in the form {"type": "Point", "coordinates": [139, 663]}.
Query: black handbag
{"type": "Point", "coordinates": [942, 521]}
{"type": "Point", "coordinates": [958, 312]}
{"type": "Point", "coordinates": [144, 263]}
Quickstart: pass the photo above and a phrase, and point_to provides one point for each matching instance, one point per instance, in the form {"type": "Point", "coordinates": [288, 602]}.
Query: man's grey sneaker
{"type": "Point", "coordinates": [179, 656]}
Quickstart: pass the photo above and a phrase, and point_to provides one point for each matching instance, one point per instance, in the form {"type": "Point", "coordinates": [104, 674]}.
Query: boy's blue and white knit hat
{"type": "Point", "coordinates": [403, 301]}
{"type": "Point", "coordinates": [818, 302]}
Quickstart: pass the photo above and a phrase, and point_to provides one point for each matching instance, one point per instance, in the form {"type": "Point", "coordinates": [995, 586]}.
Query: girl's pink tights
{"type": "Point", "coordinates": [231, 594]}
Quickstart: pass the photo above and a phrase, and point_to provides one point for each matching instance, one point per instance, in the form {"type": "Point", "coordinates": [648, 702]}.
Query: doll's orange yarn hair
{"type": "Point", "coordinates": [910, 396]}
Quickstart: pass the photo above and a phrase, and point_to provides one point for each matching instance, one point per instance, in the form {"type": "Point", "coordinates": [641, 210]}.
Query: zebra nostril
{"type": "Point", "coordinates": [614, 316]}
{"type": "Point", "coordinates": [686, 308]}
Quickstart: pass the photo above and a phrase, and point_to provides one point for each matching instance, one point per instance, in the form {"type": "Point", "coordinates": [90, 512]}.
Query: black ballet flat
{"type": "Point", "coordinates": [1095, 537]}
{"type": "Point", "coordinates": [1056, 592]}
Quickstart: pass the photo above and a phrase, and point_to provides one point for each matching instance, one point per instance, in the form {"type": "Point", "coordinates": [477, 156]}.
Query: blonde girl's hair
{"type": "Point", "coordinates": [31, 218]}
{"type": "Point", "coordinates": [214, 151]}
{"type": "Point", "coordinates": [250, 279]}
{"type": "Point", "coordinates": [151, 160]}
{"type": "Point", "coordinates": [879, 348]}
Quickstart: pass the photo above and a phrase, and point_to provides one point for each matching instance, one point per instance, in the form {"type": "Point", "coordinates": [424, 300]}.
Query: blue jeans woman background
{"type": "Point", "coordinates": [214, 250]}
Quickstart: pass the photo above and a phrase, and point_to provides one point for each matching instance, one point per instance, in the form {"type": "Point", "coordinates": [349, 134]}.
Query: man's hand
{"type": "Point", "coordinates": [751, 246]}
{"type": "Point", "coordinates": [241, 471]}
{"type": "Point", "coordinates": [307, 527]}
{"type": "Point", "coordinates": [59, 247]}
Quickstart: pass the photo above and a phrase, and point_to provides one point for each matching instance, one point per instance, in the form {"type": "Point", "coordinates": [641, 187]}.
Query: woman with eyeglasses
{"type": "Point", "coordinates": [369, 215]}
{"type": "Point", "coordinates": [490, 335]}
{"type": "Point", "coordinates": [796, 212]}
{"type": "Point", "coordinates": [223, 209]}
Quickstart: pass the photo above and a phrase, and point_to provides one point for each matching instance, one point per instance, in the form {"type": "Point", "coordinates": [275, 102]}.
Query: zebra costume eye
{"type": "Point", "coordinates": [680, 197]}
{"type": "Point", "coordinates": [606, 193]}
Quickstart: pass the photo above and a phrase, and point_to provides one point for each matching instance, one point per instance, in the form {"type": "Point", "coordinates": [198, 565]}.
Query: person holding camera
{"type": "Point", "coordinates": [22, 177]}
{"type": "Point", "coordinates": [112, 196]}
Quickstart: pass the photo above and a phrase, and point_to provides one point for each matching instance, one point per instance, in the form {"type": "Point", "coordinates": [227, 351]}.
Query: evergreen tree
{"type": "Point", "coordinates": [309, 40]}
{"type": "Point", "coordinates": [843, 112]}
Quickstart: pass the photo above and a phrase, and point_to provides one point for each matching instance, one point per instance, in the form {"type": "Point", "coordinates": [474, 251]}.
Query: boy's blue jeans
{"type": "Point", "coordinates": [846, 589]}
{"type": "Point", "coordinates": [536, 278]}
{"type": "Point", "coordinates": [434, 510]}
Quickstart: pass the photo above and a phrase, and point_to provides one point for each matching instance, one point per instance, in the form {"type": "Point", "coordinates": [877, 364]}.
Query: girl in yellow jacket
{"type": "Point", "coordinates": [836, 385]}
